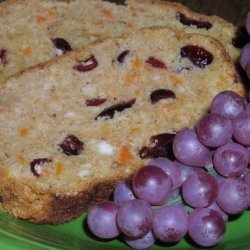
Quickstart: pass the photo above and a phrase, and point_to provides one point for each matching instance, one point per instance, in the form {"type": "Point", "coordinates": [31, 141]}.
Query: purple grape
{"type": "Point", "coordinates": [219, 178]}
{"type": "Point", "coordinates": [186, 171]}
{"type": "Point", "coordinates": [245, 56]}
{"type": "Point", "coordinates": [175, 193]}
{"type": "Point", "coordinates": [101, 220]}
{"type": "Point", "coordinates": [200, 190]}
{"type": "Point", "coordinates": [248, 106]}
{"type": "Point", "coordinates": [152, 184]}
{"type": "Point", "coordinates": [248, 70]}
{"type": "Point", "coordinates": [248, 23]}
{"type": "Point", "coordinates": [247, 180]}
{"type": "Point", "coordinates": [227, 103]}
{"type": "Point", "coordinates": [206, 227]}
{"type": "Point", "coordinates": [123, 192]}
{"type": "Point", "coordinates": [231, 160]}
{"type": "Point", "coordinates": [241, 128]}
{"type": "Point", "coordinates": [214, 130]}
{"type": "Point", "coordinates": [215, 207]}
{"type": "Point", "coordinates": [169, 168]}
{"type": "Point", "coordinates": [188, 149]}
{"type": "Point", "coordinates": [233, 196]}
{"type": "Point", "coordinates": [141, 243]}
{"type": "Point", "coordinates": [170, 223]}
{"type": "Point", "coordinates": [135, 218]}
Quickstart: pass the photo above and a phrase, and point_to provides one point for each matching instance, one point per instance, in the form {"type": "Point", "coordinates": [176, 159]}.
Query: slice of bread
{"type": "Point", "coordinates": [29, 28]}
{"type": "Point", "coordinates": [72, 127]}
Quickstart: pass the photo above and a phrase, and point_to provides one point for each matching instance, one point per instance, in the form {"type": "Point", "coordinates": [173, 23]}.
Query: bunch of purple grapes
{"type": "Point", "coordinates": [245, 52]}
{"type": "Point", "coordinates": [193, 195]}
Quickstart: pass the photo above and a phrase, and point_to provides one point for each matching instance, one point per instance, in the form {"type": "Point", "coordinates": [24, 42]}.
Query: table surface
{"type": "Point", "coordinates": [232, 10]}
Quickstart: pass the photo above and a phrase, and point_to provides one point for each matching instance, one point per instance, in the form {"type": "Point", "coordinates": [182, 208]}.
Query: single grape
{"type": "Point", "coordinates": [101, 220]}
{"type": "Point", "coordinates": [231, 160]}
{"type": "Point", "coordinates": [215, 207]}
{"type": "Point", "coordinates": [175, 193]}
{"type": "Point", "coordinates": [123, 192]}
{"type": "Point", "coordinates": [245, 56]}
{"type": "Point", "coordinates": [152, 184]}
{"type": "Point", "coordinates": [248, 107]}
{"type": "Point", "coordinates": [233, 196]}
{"type": "Point", "coordinates": [169, 168]}
{"type": "Point", "coordinates": [206, 227]}
{"type": "Point", "coordinates": [214, 130]}
{"type": "Point", "coordinates": [241, 128]}
{"type": "Point", "coordinates": [141, 243]}
{"type": "Point", "coordinates": [188, 149]}
{"type": "Point", "coordinates": [200, 190]}
{"type": "Point", "coordinates": [227, 103]}
{"type": "Point", "coordinates": [248, 23]}
{"type": "Point", "coordinates": [135, 218]}
{"type": "Point", "coordinates": [247, 180]}
{"type": "Point", "coordinates": [248, 70]}
{"type": "Point", "coordinates": [170, 223]}
{"type": "Point", "coordinates": [186, 171]}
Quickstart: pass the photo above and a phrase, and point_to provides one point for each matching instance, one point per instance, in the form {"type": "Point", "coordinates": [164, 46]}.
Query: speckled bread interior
{"type": "Point", "coordinates": [41, 106]}
{"type": "Point", "coordinates": [28, 27]}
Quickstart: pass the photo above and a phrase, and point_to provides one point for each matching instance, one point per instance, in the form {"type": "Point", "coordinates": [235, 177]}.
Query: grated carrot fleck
{"type": "Point", "coordinates": [58, 168]}
{"type": "Point", "coordinates": [98, 23]}
{"type": "Point", "coordinates": [21, 160]}
{"type": "Point", "coordinates": [137, 63]}
{"type": "Point", "coordinates": [55, 97]}
{"type": "Point", "coordinates": [175, 80]}
{"type": "Point", "coordinates": [134, 130]}
{"type": "Point", "coordinates": [23, 132]}
{"type": "Point", "coordinates": [41, 19]}
{"type": "Point", "coordinates": [124, 155]}
{"type": "Point", "coordinates": [107, 13]}
{"type": "Point", "coordinates": [137, 92]}
{"type": "Point", "coordinates": [27, 51]}
{"type": "Point", "coordinates": [130, 77]}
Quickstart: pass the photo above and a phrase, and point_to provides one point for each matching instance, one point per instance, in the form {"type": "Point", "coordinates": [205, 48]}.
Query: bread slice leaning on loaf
{"type": "Point", "coordinates": [71, 128]}
{"type": "Point", "coordinates": [32, 32]}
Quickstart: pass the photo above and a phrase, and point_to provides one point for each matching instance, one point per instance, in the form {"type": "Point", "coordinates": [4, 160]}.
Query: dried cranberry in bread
{"type": "Point", "coordinates": [36, 31]}
{"type": "Point", "coordinates": [72, 127]}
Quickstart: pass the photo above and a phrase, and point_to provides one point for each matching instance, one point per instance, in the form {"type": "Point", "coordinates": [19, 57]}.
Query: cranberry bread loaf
{"type": "Point", "coordinates": [72, 127]}
{"type": "Point", "coordinates": [36, 31]}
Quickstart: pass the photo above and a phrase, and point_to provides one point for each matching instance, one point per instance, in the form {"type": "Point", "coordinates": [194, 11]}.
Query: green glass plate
{"type": "Point", "coordinates": [16, 234]}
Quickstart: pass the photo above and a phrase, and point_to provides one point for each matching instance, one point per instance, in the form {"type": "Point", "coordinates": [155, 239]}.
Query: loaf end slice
{"type": "Point", "coordinates": [73, 127]}
{"type": "Point", "coordinates": [33, 32]}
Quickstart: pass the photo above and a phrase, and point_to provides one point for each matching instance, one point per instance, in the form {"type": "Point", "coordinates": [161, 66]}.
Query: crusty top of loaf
{"type": "Point", "coordinates": [27, 27]}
